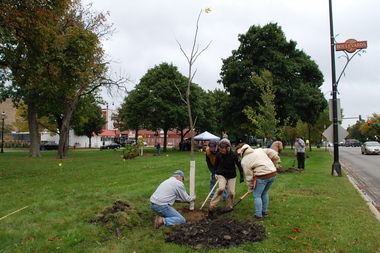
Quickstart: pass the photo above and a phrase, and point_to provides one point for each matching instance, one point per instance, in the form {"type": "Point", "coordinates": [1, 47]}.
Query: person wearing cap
{"type": "Point", "coordinates": [260, 168]}
{"type": "Point", "coordinates": [170, 191]}
{"type": "Point", "coordinates": [225, 171]}
{"type": "Point", "coordinates": [211, 151]}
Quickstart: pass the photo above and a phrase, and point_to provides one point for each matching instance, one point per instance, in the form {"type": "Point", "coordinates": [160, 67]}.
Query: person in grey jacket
{"type": "Point", "coordinates": [300, 152]}
{"type": "Point", "coordinates": [170, 191]}
{"type": "Point", "coordinates": [260, 168]}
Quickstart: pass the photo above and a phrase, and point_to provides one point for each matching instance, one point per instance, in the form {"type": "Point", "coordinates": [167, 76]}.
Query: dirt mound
{"type": "Point", "coordinates": [289, 170]}
{"type": "Point", "coordinates": [118, 216]}
{"type": "Point", "coordinates": [222, 233]}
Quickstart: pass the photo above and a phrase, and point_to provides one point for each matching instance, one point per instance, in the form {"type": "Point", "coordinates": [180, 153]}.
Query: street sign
{"type": "Point", "coordinates": [331, 110]}
{"type": "Point", "coordinates": [329, 133]}
{"type": "Point", "coordinates": [350, 45]}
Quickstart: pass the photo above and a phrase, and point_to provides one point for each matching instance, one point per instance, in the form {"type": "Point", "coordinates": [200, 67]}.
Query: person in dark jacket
{"type": "Point", "coordinates": [211, 151]}
{"type": "Point", "coordinates": [225, 171]}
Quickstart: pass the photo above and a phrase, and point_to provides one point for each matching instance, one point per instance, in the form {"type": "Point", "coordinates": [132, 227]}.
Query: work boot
{"type": "Point", "coordinates": [265, 214]}
{"type": "Point", "coordinates": [211, 213]}
{"type": "Point", "coordinates": [256, 219]}
{"type": "Point", "coordinates": [158, 222]}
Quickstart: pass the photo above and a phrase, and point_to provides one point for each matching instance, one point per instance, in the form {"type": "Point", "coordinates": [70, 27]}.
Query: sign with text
{"type": "Point", "coordinates": [351, 45]}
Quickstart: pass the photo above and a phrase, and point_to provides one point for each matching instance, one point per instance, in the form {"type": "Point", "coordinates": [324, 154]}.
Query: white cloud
{"type": "Point", "coordinates": [147, 31]}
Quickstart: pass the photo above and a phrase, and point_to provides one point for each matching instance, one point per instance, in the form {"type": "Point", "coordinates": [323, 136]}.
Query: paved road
{"type": "Point", "coordinates": [364, 171]}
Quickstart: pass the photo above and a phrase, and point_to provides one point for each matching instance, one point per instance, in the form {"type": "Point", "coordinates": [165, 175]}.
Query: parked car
{"type": "Point", "coordinates": [370, 147]}
{"type": "Point", "coordinates": [352, 143]}
{"type": "Point", "coordinates": [49, 146]}
{"type": "Point", "coordinates": [128, 142]}
{"type": "Point", "coordinates": [110, 146]}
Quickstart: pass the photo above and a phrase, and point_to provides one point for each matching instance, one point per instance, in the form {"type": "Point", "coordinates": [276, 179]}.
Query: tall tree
{"type": "Point", "coordinates": [28, 32]}
{"type": "Point", "coordinates": [88, 119]}
{"type": "Point", "coordinates": [296, 78]}
{"type": "Point", "coordinates": [155, 102]}
{"type": "Point", "coordinates": [133, 111]}
{"type": "Point", "coordinates": [165, 105]}
{"type": "Point", "coordinates": [217, 102]}
{"type": "Point", "coordinates": [61, 59]}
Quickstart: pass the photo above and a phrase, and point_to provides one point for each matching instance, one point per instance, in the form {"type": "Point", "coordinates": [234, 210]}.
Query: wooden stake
{"type": "Point", "coordinates": [13, 212]}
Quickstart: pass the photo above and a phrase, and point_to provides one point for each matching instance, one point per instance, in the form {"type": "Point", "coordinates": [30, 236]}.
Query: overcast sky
{"type": "Point", "coordinates": [148, 30]}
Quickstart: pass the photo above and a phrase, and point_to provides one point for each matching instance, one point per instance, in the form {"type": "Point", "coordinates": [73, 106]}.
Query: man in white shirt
{"type": "Point", "coordinates": [170, 191]}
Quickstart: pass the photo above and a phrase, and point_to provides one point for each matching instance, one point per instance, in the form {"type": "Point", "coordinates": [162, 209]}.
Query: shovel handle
{"type": "Point", "coordinates": [241, 198]}
{"type": "Point", "coordinates": [213, 188]}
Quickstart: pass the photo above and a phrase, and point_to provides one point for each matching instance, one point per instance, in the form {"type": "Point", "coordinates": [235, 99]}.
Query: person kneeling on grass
{"type": "Point", "coordinates": [260, 168]}
{"type": "Point", "coordinates": [170, 191]}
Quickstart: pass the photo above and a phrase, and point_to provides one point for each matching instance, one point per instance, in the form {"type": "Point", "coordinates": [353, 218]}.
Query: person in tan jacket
{"type": "Point", "coordinates": [277, 145]}
{"type": "Point", "coordinates": [260, 169]}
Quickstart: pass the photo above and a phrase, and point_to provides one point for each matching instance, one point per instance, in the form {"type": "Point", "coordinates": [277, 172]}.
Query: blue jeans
{"type": "Point", "coordinates": [261, 195]}
{"type": "Point", "coordinates": [169, 215]}
{"type": "Point", "coordinates": [212, 183]}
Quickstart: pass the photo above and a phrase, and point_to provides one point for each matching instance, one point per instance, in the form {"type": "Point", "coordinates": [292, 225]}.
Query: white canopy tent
{"type": "Point", "coordinates": [206, 136]}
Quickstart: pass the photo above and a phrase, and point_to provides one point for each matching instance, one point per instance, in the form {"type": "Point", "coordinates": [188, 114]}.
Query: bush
{"type": "Point", "coordinates": [131, 151]}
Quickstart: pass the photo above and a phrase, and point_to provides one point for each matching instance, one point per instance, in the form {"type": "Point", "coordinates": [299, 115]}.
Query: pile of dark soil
{"type": "Point", "coordinates": [222, 233]}
{"type": "Point", "coordinates": [117, 217]}
{"type": "Point", "coordinates": [289, 170]}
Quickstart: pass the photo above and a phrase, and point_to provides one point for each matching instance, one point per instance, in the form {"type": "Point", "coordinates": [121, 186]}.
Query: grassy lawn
{"type": "Point", "coordinates": [309, 212]}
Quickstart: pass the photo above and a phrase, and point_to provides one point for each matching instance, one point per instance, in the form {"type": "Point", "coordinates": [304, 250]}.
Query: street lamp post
{"type": "Point", "coordinates": [2, 132]}
{"type": "Point", "coordinates": [336, 167]}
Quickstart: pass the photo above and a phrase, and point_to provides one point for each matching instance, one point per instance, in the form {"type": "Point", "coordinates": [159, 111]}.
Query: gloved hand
{"type": "Point", "coordinates": [241, 179]}
{"type": "Point", "coordinates": [278, 166]}
{"type": "Point", "coordinates": [250, 189]}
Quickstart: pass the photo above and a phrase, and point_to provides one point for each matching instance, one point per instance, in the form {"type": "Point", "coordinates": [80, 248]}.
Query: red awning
{"type": "Point", "coordinates": [108, 133]}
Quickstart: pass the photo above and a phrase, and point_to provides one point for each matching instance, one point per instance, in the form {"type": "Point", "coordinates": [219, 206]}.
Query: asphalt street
{"type": "Point", "coordinates": [364, 171]}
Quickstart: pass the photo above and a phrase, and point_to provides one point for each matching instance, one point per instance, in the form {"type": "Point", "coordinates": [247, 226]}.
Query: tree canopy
{"type": "Point", "coordinates": [156, 102]}
{"type": "Point", "coordinates": [296, 78]}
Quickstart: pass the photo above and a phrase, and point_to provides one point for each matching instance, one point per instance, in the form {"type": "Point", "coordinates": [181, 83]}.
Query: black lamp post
{"type": "Point", "coordinates": [336, 167]}
{"type": "Point", "coordinates": [2, 132]}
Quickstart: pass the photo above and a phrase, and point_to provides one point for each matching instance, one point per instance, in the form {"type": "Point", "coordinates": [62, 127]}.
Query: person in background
{"type": "Point", "coordinates": [170, 191]}
{"type": "Point", "coordinates": [211, 151]}
{"type": "Point", "coordinates": [277, 145]}
{"type": "Point", "coordinates": [269, 143]}
{"type": "Point", "coordinates": [260, 168]}
{"type": "Point", "coordinates": [300, 152]}
{"type": "Point", "coordinates": [225, 171]}
{"type": "Point", "coordinates": [158, 147]}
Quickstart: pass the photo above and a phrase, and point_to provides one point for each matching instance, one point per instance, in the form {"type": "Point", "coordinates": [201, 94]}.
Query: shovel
{"type": "Point", "coordinates": [237, 202]}
{"type": "Point", "coordinates": [213, 188]}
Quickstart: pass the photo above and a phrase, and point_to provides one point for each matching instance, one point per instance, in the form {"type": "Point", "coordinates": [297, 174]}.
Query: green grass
{"type": "Point", "coordinates": [309, 212]}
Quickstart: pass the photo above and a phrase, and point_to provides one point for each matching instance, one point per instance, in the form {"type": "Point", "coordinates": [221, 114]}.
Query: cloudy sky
{"type": "Point", "coordinates": [147, 32]}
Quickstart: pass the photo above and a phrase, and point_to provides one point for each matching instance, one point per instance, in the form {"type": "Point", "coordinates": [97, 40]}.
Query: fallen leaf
{"type": "Point", "coordinates": [293, 238]}
{"type": "Point", "coordinates": [52, 239]}
{"type": "Point", "coordinates": [297, 230]}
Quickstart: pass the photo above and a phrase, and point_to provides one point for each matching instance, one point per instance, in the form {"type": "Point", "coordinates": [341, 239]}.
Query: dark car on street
{"type": "Point", "coordinates": [49, 146]}
{"type": "Point", "coordinates": [370, 147]}
{"type": "Point", "coordinates": [110, 146]}
{"type": "Point", "coordinates": [352, 143]}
